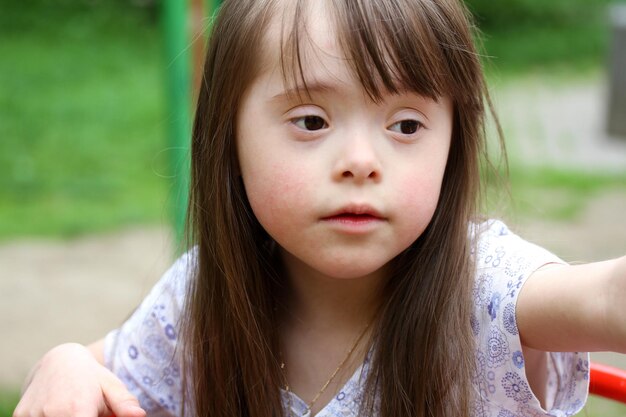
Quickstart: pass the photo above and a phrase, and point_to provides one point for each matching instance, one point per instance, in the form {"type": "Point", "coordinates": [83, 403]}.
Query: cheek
{"type": "Point", "coordinates": [275, 192]}
{"type": "Point", "coordinates": [420, 191]}
{"type": "Point", "coordinates": [418, 201]}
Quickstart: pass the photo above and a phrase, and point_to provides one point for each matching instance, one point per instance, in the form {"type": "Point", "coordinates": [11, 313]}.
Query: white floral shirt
{"type": "Point", "coordinates": [142, 352]}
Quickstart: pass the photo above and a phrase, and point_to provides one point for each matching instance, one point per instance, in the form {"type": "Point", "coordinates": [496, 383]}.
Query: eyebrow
{"type": "Point", "coordinates": [299, 90]}
{"type": "Point", "coordinates": [320, 87]}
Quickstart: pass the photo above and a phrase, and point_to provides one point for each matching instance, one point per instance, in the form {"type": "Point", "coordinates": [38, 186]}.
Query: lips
{"type": "Point", "coordinates": [349, 218]}
{"type": "Point", "coordinates": [356, 214]}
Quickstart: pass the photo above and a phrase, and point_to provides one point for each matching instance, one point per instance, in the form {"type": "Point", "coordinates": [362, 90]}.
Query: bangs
{"type": "Point", "coordinates": [422, 46]}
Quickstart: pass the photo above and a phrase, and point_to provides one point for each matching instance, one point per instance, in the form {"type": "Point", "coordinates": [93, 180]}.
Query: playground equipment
{"type": "Point", "coordinates": [608, 382]}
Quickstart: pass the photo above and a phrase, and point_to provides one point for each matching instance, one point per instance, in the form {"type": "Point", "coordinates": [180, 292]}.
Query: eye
{"type": "Point", "coordinates": [311, 123]}
{"type": "Point", "coordinates": [406, 127]}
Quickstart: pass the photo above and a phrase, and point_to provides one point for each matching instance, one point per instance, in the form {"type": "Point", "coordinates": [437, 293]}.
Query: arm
{"type": "Point", "coordinates": [70, 380]}
{"type": "Point", "coordinates": [575, 308]}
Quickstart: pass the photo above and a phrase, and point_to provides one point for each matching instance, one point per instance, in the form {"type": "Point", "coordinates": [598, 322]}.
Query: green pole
{"type": "Point", "coordinates": [175, 18]}
{"type": "Point", "coordinates": [178, 107]}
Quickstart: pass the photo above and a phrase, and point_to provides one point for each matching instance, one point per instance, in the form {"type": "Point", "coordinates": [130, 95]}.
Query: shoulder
{"type": "Point", "coordinates": [499, 251]}
{"type": "Point", "coordinates": [176, 279]}
{"type": "Point", "coordinates": [503, 263]}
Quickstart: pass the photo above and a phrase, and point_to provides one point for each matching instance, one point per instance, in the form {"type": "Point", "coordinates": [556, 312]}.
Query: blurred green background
{"type": "Point", "coordinates": [535, 35]}
{"type": "Point", "coordinates": [82, 120]}
{"type": "Point", "coordinates": [83, 113]}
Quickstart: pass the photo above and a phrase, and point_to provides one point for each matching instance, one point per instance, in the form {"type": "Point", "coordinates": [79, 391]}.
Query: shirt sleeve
{"type": "Point", "coordinates": [143, 351]}
{"type": "Point", "coordinates": [504, 262]}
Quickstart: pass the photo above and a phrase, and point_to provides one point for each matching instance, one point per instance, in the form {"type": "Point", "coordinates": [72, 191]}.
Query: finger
{"type": "Point", "coordinates": [119, 400]}
{"type": "Point", "coordinates": [124, 407]}
{"type": "Point", "coordinates": [21, 410]}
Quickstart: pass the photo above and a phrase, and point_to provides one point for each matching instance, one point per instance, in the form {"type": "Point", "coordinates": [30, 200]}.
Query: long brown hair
{"type": "Point", "coordinates": [423, 362]}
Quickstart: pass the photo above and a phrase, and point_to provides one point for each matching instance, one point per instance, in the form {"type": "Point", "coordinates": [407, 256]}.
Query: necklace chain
{"type": "Point", "coordinates": [310, 405]}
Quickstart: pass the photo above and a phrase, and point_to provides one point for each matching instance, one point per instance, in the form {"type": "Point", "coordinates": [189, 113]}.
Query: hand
{"type": "Point", "coordinates": [69, 382]}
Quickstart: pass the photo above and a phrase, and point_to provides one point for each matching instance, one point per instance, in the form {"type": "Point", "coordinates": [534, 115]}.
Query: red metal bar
{"type": "Point", "coordinates": [608, 382]}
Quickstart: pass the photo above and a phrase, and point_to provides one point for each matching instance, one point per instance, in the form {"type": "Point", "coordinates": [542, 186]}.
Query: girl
{"type": "Point", "coordinates": [339, 266]}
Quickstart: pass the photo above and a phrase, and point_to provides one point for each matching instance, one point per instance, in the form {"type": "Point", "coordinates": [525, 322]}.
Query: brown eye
{"type": "Point", "coordinates": [406, 127]}
{"type": "Point", "coordinates": [311, 123]}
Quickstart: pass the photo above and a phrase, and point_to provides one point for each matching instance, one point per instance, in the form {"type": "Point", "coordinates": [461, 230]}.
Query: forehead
{"type": "Point", "coordinates": [385, 51]}
{"type": "Point", "coordinates": [305, 53]}
{"type": "Point", "coordinates": [298, 39]}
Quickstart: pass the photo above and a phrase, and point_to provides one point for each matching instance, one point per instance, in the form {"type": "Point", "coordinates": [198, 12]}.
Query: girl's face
{"type": "Point", "coordinates": [341, 183]}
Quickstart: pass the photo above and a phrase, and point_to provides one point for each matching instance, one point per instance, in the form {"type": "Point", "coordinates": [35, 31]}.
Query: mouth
{"type": "Point", "coordinates": [352, 217]}
{"type": "Point", "coordinates": [355, 215]}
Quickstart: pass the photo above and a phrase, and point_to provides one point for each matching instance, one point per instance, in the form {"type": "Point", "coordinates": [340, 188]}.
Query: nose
{"type": "Point", "coordinates": [358, 161]}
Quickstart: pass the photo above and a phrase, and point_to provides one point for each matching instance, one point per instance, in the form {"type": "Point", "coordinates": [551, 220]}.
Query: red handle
{"type": "Point", "coordinates": [607, 382]}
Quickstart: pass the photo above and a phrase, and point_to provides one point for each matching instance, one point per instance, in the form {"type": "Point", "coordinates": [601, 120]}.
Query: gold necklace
{"type": "Point", "coordinates": [310, 405]}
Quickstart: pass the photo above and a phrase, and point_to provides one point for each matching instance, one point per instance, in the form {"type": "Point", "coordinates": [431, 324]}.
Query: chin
{"type": "Point", "coordinates": [354, 270]}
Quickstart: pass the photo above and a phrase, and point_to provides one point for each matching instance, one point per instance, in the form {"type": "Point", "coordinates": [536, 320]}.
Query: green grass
{"type": "Point", "coordinates": [602, 407]}
{"type": "Point", "coordinates": [562, 195]}
{"type": "Point", "coordinates": [561, 36]}
{"type": "Point", "coordinates": [548, 193]}
{"type": "Point", "coordinates": [81, 120]}
{"type": "Point", "coordinates": [8, 400]}
{"type": "Point", "coordinates": [570, 50]}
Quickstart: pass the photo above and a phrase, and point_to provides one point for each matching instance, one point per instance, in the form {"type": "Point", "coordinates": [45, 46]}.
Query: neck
{"type": "Point", "coordinates": [320, 301]}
